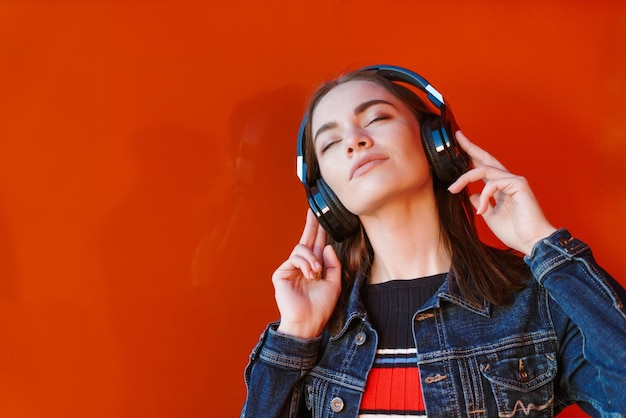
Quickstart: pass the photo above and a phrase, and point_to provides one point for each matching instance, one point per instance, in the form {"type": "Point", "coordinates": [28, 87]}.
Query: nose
{"type": "Point", "coordinates": [357, 139]}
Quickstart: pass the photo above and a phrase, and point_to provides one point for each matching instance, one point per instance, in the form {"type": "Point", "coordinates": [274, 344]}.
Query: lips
{"type": "Point", "coordinates": [366, 163]}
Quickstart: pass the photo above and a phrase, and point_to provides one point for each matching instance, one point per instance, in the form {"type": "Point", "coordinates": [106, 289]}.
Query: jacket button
{"type": "Point", "coordinates": [336, 404]}
{"type": "Point", "coordinates": [566, 242]}
{"type": "Point", "coordinates": [360, 338]}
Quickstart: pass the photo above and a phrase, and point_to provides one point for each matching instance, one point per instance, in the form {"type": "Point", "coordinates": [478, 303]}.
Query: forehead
{"type": "Point", "coordinates": [342, 100]}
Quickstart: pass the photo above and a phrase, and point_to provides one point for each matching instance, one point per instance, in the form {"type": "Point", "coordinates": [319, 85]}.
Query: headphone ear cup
{"type": "Point", "coordinates": [430, 148]}
{"type": "Point", "coordinates": [338, 221]}
{"type": "Point", "coordinates": [446, 157]}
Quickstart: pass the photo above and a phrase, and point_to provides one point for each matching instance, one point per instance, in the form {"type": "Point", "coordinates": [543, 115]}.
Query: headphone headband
{"type": "Point", "coordinates": [405, 75]}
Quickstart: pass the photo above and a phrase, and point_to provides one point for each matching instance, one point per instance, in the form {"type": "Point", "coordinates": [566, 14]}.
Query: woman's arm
{"type": "Point", "coordinates": [589, 301]}
{"type": "Point", "coordinates": [275, 375]}
{"type": "Point", "coordinates": [307, 286]}
{"type": "Point", "coordinates": [593, 350]}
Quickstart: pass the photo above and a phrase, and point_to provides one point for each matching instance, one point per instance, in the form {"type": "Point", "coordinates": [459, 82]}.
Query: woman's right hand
{"type": "Point", "coordinates": [308, 284]}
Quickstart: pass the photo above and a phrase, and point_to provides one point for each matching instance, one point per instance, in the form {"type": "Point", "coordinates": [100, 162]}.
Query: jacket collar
{"type": "Point", "coordinates": [355, 307]}
{"type": "Point", "coordinates": [448, 292]}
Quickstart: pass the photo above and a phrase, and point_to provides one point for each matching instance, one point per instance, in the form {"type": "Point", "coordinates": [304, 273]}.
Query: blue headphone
{"type": "Point", "coordinates": [447, 160]}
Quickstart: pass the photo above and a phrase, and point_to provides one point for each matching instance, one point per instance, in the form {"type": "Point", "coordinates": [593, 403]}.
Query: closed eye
{"type": "Point", "coordinates": [378, 119]}
{"type": "Point", "coordinates": [329, 144]}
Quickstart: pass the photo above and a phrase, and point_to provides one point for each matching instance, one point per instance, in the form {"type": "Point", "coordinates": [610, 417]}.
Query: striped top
{"type": "Point", "coordinates": [393, 387]}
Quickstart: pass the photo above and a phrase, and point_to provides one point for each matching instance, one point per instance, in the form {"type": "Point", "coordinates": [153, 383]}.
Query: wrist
{"type": "Point", "coordinates": [540, 235]}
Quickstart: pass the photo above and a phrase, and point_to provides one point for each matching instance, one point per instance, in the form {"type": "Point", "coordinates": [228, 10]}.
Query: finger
{"type": "Point", "coordinates": [302, 252]}
{"type": "Point", "coordinates": [481, 172]}
{"type": "Point", "coordinates": [310, 232]}
{"type": "Point", "coordinates": [479, 156]}
{"type": "Point", "coordinates": [320, 241]}
{"type": "Point", "coordinates": [475, 201]}
{"type": "Point", "coordinates": [496, 189]}
{"type": "Point", "coordinates": [296, 265]}
{"type": "Point", "coordinates": [332, 265]}
{"type": "Point", "coordinates": [484, 200]}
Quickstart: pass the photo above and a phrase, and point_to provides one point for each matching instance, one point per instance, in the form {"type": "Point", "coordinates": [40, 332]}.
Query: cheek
{"type": "Point", "coordinates": [331, 173]}
{"type": "Point", "coordinates": [335, 175]}
{"type": "Point", "coordinates": [416, 154]}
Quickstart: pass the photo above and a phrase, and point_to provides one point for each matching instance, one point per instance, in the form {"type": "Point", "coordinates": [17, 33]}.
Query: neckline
{"type": "Point", "coordinates": [408, 283]}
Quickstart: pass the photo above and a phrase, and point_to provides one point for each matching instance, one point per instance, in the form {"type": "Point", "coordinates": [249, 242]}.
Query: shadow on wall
{"type": "Point", "coordinates": [261, 159]}
{"type": "Point", "coordinates": [236, 257]}
{"type": "Point", "coordinates": [192, 243]}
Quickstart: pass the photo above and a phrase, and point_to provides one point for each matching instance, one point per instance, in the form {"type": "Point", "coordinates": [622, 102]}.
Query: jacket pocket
{"type": "Point", "coordinates": [522, 386]}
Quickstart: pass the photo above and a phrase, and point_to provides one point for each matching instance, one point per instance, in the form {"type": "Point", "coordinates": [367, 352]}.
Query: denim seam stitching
{"type": "Point", "coordinates": [287, 361]}
{"type": "Point", "coordinates": [534, 338]}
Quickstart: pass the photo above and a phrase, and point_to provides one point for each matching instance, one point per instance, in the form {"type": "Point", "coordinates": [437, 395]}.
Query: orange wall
{"type": "Point", "coordinates": [147, 170]}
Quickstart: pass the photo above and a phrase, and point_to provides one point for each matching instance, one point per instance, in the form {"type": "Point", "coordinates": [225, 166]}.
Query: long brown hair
{"type": "Point", "coordinates": [481, 272]}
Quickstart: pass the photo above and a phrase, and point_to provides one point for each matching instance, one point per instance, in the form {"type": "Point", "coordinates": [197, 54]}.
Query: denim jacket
{"type": "Point", "coordinates": [561, 341]}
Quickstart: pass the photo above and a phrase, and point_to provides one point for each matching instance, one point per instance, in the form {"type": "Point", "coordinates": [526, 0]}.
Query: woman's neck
{"type": "Point", "coordinates": [407, 242]}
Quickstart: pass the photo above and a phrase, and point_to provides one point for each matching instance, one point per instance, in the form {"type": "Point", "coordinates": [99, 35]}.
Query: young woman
{"type": "Point", "coordinates": [404, 312]}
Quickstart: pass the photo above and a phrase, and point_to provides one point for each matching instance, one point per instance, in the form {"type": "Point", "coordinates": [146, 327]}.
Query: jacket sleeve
{"type": "Point", "coordinates": [590, 316]}
{"type": "Point", "coordinates": [275, 375]}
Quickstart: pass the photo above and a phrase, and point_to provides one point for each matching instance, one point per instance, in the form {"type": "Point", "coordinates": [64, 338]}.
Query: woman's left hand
{"type": "Point", "coordinates": [506, 202]}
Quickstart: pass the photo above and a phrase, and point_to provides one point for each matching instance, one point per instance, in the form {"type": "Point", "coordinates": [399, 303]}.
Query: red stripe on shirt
{"type": "Point", "coordinates": [386, 389]}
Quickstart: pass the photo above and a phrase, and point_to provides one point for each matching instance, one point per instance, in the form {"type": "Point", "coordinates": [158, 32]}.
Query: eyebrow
{"type": "Point", "coordinates": [357, 110]}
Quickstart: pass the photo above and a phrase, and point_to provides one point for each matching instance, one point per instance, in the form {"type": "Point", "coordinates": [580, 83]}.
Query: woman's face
{"type": "Point", "coordinates": [368, 147]}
